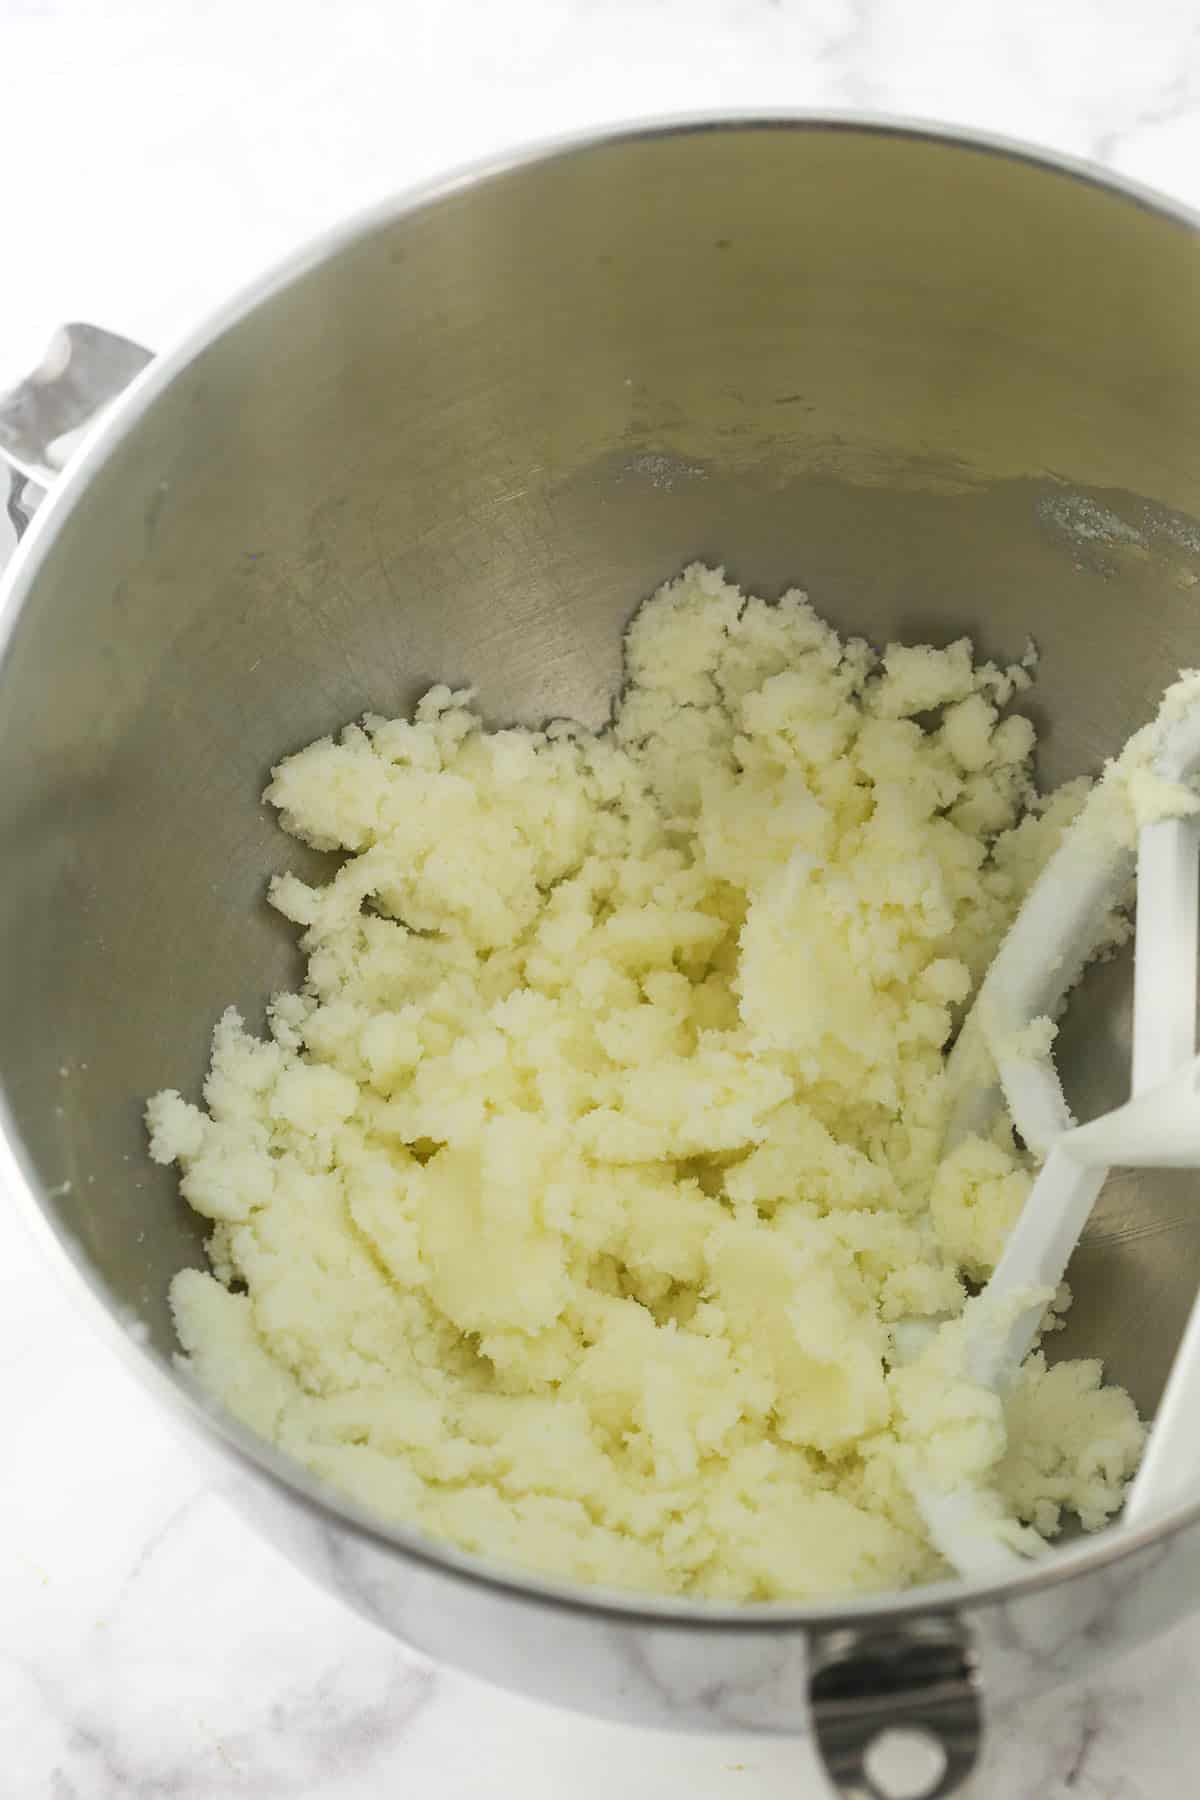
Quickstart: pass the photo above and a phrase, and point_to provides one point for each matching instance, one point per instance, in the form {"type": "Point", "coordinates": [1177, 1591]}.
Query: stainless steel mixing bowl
{"type": "Point", "coordinates": [948, 385]}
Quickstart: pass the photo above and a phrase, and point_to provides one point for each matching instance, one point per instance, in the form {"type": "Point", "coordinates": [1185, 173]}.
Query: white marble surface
{"type": "Point", "coordinates": [156, 156]}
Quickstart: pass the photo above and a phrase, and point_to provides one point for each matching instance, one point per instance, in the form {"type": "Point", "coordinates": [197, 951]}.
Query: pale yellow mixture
{"type": "Point", "coordinates": [570, 1207]}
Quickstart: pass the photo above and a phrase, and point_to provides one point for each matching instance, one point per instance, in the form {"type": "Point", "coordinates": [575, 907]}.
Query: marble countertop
{"type": "Point", "coordinates": [156, 158]}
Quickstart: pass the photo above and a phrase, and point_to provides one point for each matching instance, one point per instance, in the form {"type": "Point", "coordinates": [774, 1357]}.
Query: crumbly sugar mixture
{"type": "Point", "coordinates": [571, 1208]}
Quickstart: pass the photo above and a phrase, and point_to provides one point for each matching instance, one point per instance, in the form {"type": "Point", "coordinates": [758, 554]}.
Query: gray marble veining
{"type": "Point", "coordinates": [151, 1648]}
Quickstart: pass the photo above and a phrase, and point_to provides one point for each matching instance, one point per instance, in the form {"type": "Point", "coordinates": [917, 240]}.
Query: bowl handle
{"type": "Point", "coordinates": [904, 1698]}
{"type": "Point", "coordinates": [43, 418]}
